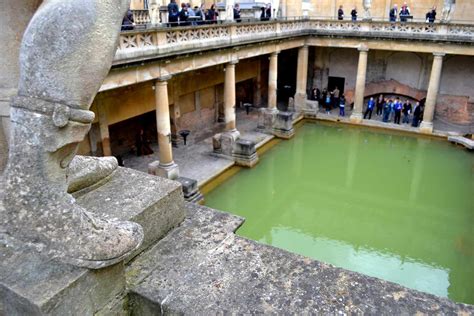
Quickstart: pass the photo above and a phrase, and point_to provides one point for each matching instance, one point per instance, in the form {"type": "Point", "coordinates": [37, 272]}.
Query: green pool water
{"type": "Point", "coordinates": [396, 207]}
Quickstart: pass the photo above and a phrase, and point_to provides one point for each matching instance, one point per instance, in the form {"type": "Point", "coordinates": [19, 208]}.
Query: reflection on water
{"type": "Point", "coordinates": [415, 273]}
{"type": "Point", "coordinates": [395, 207]}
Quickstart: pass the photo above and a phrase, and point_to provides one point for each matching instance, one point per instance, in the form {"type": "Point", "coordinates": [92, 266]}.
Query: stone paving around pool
{"type": "Point", "coordinates": [202, 267]}
{"type": "Point", "coordinates": [196, 160]}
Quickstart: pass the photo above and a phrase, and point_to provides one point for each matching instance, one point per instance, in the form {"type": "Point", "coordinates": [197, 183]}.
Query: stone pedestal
{"type": "Point", "coordinates": [274, 122]}
{"type": "Point", "coordinates": [168, 171]}
{"type": "Point", "coordinates": [426, 127]}
{"type": "Point", "coordinates": [266, 119]}
{"type": "Point", "coordinates": [283, 125]}
{"type": "Point", "coordinates": [191, 190]}
{"type": "Point", "coordinates": [356, 118]}
{"type": "Point", "coordinates": [231, 145]}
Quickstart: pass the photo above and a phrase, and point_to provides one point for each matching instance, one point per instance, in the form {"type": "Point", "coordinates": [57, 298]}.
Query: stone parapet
{"type": "Point", "coordinates": [142, 44]}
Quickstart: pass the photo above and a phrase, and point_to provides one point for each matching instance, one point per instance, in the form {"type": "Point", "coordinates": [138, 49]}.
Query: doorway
{"type": "Point", "coordinates": [338, 82]}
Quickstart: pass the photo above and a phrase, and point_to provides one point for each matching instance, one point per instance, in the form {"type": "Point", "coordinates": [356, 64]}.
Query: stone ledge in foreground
{"type": "Point", "coordinates": [198, 270]}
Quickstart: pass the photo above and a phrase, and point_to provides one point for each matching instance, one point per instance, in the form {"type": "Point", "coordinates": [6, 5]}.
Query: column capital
{"type": "Point", "coordinates": [439, 54]}
{"type": "Point", "coordinates": [275, 53]}
{"type": "Point", "coordinates": [305, 46]}
{"type": "Point", "coordinates": [163, 79]}
{"type": "Point", "coordinates": [233, 62]}
{"type": "Point", "coordinates": [363, 48]}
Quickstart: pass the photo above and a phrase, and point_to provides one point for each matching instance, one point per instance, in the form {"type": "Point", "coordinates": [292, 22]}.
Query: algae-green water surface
{"type": "Point", "coordinates": [396, 207]}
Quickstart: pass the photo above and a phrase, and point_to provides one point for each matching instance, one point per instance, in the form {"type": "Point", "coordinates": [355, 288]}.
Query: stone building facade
{"type": "Point", "coordinates": [394, 59]}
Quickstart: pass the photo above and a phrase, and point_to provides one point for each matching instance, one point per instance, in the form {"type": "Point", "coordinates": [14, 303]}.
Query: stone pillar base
{"type": "Point", "coordinates": [245, 153]}
{"type": "Point", "coordinates": [356, 118]}
{"type": "Point", "coordinates": [242, 151]}
{"type": "Point", "coordinates": [169, 171]}
{"type": "Point", "coordinates": [426, 127]}
{"type": "Point", "coordinates": [283, 125]}
{"type": "Point", "coordinates": [300, 102]}
{"type": "Point", "coordinates": [191, 190]}
{"type": "Point", "coordinates": [266, 119]}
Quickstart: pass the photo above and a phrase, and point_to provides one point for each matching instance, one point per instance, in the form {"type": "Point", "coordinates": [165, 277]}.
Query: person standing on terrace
{"type": "Point", "coordinates": [370, 108]}
{"type": "Point", "coordinates": [404, 12]}
{"type": "Point", "coordinates": [237, 13]}
{"type": "Point", "coordinates": [340, 13]}
{"type": "Point", "coordinates": [393, 13]}
{"type": "Point", "coordinates": [354, 14]}
{"type": "Point", "coordinates": [212, 14]}
{"type": "Point", "coordinates": [431, 15]}
{"type": "Point", "coordinates": [173, 13]}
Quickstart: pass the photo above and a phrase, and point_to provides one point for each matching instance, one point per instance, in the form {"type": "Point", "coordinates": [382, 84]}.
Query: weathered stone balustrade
{"type": "Point", "coordinates": [159, 42]}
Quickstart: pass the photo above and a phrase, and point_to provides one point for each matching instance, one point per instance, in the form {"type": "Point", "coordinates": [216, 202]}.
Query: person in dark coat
{"type": "Point", "coordinates": [237, 13]}
{"type": "Point", "coordinates": [212, 14]}
{"type": "Point", "coordinates": [387, 108]}
{"type": "Point", "coordinates": [406, 112]}
{"type": "Point", "coordinates": [183, 15]}
{"type": "Point", "coordinates": [340, 13]}
{"type": "Point", "coordinates": [173, 13]}
{"type": "Point", "coordinates": [393, 13]}
{"type": "Point", "coordinates": [431, 15]}
{"type": "Point", "coordinates": [379, 105]}
{"type": "Point", "coordinates": [416, 115]}
{"type": "Point", "coordinates": [354, 14]}
{"type": "Point", "coordinates": [128, 22]}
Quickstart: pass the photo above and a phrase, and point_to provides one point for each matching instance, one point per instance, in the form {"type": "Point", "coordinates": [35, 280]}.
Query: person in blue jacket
{"type": "Point", "coordinates": [370, 108]}
{"type": "Point", "coordinates": [398, 106]}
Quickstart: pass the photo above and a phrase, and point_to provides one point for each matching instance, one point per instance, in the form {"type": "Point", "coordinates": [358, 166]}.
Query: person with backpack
{"type": "Point", "coordinates": [173, 13]}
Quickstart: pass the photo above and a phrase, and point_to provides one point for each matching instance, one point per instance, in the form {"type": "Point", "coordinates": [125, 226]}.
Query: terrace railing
{"type": "Point", "coordinates": [159, 42]}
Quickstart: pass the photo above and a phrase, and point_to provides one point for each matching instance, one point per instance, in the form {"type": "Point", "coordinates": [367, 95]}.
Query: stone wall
{"type": "Point", "coordinates": [402, 73]}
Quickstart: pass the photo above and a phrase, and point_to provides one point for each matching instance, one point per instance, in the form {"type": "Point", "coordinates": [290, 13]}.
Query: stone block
{"type": "Point", "coordinates": [283, 125]}
{"type": "Point", "coordinates": [155, 203]}
{"type": "Point", "coordinates": [426, 127]}
{"type": "Point", "coordinates": [170, 171]}
{"type": "Point", "coordinates": [191, 190]}
{"type": "Point", "coordinates": [245, 153]}
{"type": "Point", "coordinates": [33, 284]}
{"type": "Point", "coordinates": [227, 141]}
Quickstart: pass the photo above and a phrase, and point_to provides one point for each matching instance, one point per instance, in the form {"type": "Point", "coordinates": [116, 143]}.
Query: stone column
{"type": "Point", "coordinates": [165, 167]}
{"type": "Point", "coordinates": [426, 125]}
{"type": "Point", "coordinates": [272, 81]}
{"type": "Point", "coordinates": [301, 79]}
{"type": "Point", "coordinates": [356, 116]}
{"type": "Point", "coordinates": [104, 129]}
{"type": "Point", "coordinates": [229, 96]}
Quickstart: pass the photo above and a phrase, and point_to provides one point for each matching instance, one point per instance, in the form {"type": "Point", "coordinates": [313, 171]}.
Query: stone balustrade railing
{"type": "Point", "coordinates": [141, 17]}
{"type": "Point", "coordinates": [164, 41]}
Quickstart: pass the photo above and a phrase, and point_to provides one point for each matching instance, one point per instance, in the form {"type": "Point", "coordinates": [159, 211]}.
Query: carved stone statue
{"type": "Point", "coordinates": [448, 9]}
{"type": "Point", "coordinates": [367, 4]}
{"type": "Point", "coordinates": [67, 51]}
{"type": "Point", "coordinates": [154, 11]}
